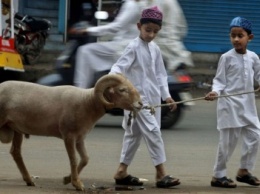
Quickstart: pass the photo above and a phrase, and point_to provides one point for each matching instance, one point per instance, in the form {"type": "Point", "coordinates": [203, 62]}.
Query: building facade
{"type": "Point", "coordinates": [208, 20]}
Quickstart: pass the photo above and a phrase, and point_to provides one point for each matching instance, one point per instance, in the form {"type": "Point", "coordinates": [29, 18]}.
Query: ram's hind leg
{"type": "Point", "coordinates": [16, 153]}
{"type": "Point", "coordinates": [80, 146]}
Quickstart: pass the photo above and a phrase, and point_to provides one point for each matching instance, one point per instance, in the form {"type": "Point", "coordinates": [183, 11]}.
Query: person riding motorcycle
{"type": "Point", "coordinates": [100, 56]}
{"type": "Point", "coordinates": [97, 57]}
{"type": "Point", "coordinates": [170, 39]}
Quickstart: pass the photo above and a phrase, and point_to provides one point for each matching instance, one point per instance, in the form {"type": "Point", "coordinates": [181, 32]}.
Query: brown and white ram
{"type": "Point", "coordinates": [66, 112]}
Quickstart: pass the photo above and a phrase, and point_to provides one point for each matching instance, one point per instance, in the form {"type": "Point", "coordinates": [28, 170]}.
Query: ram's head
{"type": "Point", "coordinates": [115, 91]}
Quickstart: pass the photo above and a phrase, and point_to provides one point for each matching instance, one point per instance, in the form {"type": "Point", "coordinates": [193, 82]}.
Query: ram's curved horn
{"type": "Point", "coordinates": [105, 82]}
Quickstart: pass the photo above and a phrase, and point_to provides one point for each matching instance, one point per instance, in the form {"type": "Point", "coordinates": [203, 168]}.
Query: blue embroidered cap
{"type": "Point", "coordinates": [241, 22]}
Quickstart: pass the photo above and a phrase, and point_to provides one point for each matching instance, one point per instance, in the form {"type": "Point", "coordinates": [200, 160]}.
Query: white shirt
{"type": "Point", "coordinates": [235, 74]}
{"type": "Point", "coordinates": [174, 29]}
{"type": "Point", "coordinates": [124, 25]}
{"type": "Point", "coordinates": [174, 24]}
{"type": "Point", "coordinates": [142, 64]}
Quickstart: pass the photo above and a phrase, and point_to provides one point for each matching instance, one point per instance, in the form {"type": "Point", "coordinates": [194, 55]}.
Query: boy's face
{"type": "Point", "coordinates": [148, 31]}
{"type": "Point", "coordinates": [239, 39]}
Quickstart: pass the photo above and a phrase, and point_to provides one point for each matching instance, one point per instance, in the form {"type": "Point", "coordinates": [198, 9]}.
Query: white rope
{"type": "Point", "coordinates": [196, 99]}
{"type": "Point", "coordinates": [152, 108]}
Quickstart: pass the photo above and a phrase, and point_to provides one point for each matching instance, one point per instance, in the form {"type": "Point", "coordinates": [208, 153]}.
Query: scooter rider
{"type": "Point", "coordinates": [170, 38]}
{"type": "Point", "coordinates": [100, 56]}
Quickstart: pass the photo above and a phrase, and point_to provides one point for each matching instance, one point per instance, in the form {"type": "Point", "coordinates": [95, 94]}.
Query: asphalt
{"type": "Point", "coordinates": [202, 75]}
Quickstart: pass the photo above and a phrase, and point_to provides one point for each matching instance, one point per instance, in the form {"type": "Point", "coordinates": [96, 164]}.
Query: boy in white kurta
{"type": "Point", "coordinates": [142, 64]}
{"type": "Point", "coordinates": [237, 115]}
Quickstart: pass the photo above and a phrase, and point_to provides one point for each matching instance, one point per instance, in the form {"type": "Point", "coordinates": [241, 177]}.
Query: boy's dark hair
{"type": "Point", "coordinates": [248, 31]}
{"type": "Point", "coordinates": [146, 20]}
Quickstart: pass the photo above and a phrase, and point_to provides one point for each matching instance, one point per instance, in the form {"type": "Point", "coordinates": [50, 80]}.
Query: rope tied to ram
{"type": "Point", "coordinates": [152, 108]}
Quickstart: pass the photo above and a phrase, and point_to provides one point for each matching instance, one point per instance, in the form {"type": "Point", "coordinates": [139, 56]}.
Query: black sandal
{"type": "Point", "coordinates": [167, 181]}
{"type": "Point", "coordinates": [129, 180]}
{"type": "Point", "coordinates": [249, 179]}
{"type": "Point", "coordinates": [223, 182]}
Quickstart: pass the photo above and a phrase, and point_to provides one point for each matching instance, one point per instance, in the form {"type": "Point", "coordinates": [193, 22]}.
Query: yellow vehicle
{"type": "Point", "coordinates": [10, 59]}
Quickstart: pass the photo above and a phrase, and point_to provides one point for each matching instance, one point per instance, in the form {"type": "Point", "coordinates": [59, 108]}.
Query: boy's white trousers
{"type": "Point", "coordinates": [228, 139]}
{"type": "Point", "coordinates": [144, 126]}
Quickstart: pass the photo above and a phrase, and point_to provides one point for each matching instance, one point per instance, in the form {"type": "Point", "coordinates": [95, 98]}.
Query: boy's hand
{"type": "Point", "coordinates": [211, 96]}
{"type": "Point", "coordinates": [172, 106]}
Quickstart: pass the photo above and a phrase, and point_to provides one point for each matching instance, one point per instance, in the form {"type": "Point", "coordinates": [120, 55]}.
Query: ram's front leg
{"type": "Point", "coordinates": [16, 153]}
{"type": "Point", "coordinates": [80, 146]}
{"type": "Point", "coordinates": [70, 144]}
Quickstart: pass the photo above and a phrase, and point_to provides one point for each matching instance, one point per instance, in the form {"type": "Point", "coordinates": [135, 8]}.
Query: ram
{"type": "Point", "coordinates": [66, 112]}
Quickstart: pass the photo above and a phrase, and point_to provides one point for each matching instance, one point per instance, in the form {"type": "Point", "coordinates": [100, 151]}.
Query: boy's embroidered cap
{"type": "Point", "coordinates": [152, 13]}
{"type": "Point", "coordinates": [241, 22]}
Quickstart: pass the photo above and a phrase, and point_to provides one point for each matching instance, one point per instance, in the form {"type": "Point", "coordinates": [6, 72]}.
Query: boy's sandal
{"type": "Point", "coordinates": [249, 179]}
{"type": "Point", "coordinates": [223, 182]}
{"type": "Point", "coordinates": [167, 181]}
{"type": "Point", "coordinates": [129, 180]}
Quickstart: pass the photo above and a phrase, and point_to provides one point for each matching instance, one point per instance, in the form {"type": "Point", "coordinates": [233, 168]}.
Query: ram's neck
{"type": "Point", "coordinates": [94, 105]}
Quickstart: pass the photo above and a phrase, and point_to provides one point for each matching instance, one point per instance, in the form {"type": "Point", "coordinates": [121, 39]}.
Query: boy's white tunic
{"type": "Point", "coordinates": [234, 75]}
{"type": "Point", "coordinates": [142, 64]}
{"type": "Point", "coordinates": [237, 114]}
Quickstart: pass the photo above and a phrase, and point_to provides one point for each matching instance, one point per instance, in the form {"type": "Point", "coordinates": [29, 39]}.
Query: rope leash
{"type": "Point", "coordinates": [152, 108]}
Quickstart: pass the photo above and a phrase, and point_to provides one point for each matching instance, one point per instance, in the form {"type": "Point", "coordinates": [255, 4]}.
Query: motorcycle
{"type": "Point", "coordinates": [30, 36]}
{"type": "Point", "coordinates": [179, 81]}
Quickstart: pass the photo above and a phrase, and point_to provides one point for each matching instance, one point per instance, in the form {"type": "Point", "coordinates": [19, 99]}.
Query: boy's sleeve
{"type": "Point", "coordinates": [124, 62]}
{"type": "Point", "coordinates": [162, 76]}
{"type": "Point", "coordinates": [219, 81]}
{"type": "Point", "coordinates": [256, 67]}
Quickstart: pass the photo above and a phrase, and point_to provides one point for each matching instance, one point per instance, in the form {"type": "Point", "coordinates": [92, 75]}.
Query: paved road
{"type": "Point", "coordinates": [190, 148]}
